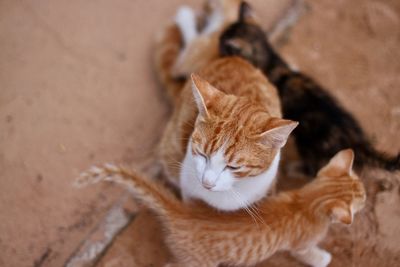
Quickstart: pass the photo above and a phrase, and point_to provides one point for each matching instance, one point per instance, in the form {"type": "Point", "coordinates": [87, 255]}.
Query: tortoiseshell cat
{"type": "Point", "coordinates": [222, 144]}
{"type": "Point", "coordinates": [325, 126]}
{"type": "Point", "coordinates": [295, 221]}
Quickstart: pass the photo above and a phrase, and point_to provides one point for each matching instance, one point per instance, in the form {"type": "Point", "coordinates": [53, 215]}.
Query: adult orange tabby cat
{"type": "Point", "coordinates": [222, 143]}
{"type": "Point", "coordinates": [294, 221]}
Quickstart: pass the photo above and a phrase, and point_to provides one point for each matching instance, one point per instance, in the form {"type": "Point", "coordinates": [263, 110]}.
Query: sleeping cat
{"type": "Point", "coordinates": [225, 134]}
{"type": "Point", "coordinates": [294, 221]}
{"type": "Point", "coordinates": [325, 126]}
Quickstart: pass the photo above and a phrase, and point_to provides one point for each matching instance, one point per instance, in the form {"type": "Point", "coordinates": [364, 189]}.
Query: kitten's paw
{"type": "Point", "coordinates": [314, 257]}
{"type": "Point", "coordinates": [322, 258]}
{"type": "Point", "coordinates": [186, 20]}
{"type": "Point", "coordinates": [184, 16]}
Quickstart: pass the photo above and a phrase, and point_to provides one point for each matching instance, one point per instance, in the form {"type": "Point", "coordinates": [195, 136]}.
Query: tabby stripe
{"type": "Point", "coordinates": [248, 120]}
{"type": "Point", "coordinates": [213, 144]}
{"type": "Point", "coordinates": [229, 108]}
{"type": "Point", "coordinates": [318, 203]}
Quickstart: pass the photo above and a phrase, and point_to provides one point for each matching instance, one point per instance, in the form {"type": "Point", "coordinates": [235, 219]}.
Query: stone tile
{"type": "Point", "coordinates": [140, 244]}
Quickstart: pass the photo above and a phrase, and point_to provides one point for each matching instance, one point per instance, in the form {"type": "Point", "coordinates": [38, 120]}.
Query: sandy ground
{"type": "Point", "coordinates": [77, 88]}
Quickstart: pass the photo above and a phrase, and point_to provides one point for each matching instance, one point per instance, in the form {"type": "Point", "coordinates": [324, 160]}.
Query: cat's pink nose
{"type": "Point", "coordinates": [208, 185]}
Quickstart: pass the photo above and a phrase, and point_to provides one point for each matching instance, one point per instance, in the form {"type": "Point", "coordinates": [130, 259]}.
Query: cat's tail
{"type": "Point", "coordinates": [167, 48]}
{"type": "Point", "coordinates": [368, 155]}
{"type": "Point", "coordinates": [151, 194]}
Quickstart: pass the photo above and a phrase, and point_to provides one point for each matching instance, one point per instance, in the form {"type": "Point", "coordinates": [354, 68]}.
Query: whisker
{"type": "Point", "coordinates": [179, 165]}
{"type": "Point", "coordinates": [245, 206]}
{"type": "Point", "coordinates": [254, 210]}
{"type": "Point", "coordinates": [190, 124]}
{"type": "Point", "coordinates": [182, 138]}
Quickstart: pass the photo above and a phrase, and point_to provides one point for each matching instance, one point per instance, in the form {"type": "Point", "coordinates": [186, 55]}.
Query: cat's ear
{"type": "Point", "coordinates": [246, 13]}
{"type": "Point", "coordinates": [278, 132]}
{"type": "Point", "coordinates": [203, 93]}
{"type": "Point", "coordinates": [341, 213]}
{"type": "Point", "coordinates": [340, 164]}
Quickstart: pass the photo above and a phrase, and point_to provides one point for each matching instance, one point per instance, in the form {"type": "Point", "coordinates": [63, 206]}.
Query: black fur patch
{"type": "Point", "coordinates": [325, 126]}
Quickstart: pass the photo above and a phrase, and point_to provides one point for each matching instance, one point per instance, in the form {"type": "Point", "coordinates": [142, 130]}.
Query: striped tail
{"type": "Point", "coordinates": [152, 195]}
{"type": "Point", "coordinates": [167, 48]}
{"type": "Point", "coordinates": [368, 155]}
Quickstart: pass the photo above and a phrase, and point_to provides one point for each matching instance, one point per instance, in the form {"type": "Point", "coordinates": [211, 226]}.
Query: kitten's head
{"type": "Point", "coordinates": [234, 138]}
{"type": "Point", "coordinates": [246, 39]}
{"type": "Point", "coordinates": [342, 193]}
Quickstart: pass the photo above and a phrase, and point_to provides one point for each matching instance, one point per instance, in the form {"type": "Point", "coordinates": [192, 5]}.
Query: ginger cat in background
{"type": "Point", "coordinates": [225, 133]}
{"type": "Point", "coordinates": [294, 221]}
{"type": "Point", "coordinates": [182, 49]}
{"type": "Point", "coordinates": [201, 46]}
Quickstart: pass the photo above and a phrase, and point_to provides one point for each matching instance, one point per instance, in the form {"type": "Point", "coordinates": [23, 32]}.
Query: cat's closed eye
{"type": "Point", "coordinates": [233, 168]}
{"type": "Point", "coordinates": [202, 155]}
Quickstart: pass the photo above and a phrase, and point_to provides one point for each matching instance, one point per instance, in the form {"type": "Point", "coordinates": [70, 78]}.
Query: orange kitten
{"type": "Point", "coordinates": [294, 221]}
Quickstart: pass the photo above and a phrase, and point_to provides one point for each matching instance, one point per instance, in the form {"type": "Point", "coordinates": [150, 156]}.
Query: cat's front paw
{"type": "Point", "coordinates": [314, 257]}
{"type": "Point", "coordinates": [186, 20]}
{"type": "Point", "coordinates": [322, 259]}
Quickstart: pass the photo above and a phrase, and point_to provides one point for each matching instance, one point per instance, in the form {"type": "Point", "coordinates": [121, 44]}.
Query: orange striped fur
{"type": "Point", "coordinates": [167, 47]}
{"type": "Point", "coordinates": [247, 107]}
{"type": "Point", "coordinates": [295, 221]}
{"type": "Point", "coordinates": [228, 111]}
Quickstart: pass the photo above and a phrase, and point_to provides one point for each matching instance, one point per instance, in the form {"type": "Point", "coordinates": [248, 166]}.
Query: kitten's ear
{"type": "Point", "coordinates": [246, 13]}
{"type": "Point", "coordinates": [341, 214]}
{"type": "Point", "coordinates": [203, 93]}
{"type": "Point", "coordinates": [340, 164]}
{"type": "Point", "coordinates": [278, 132]}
